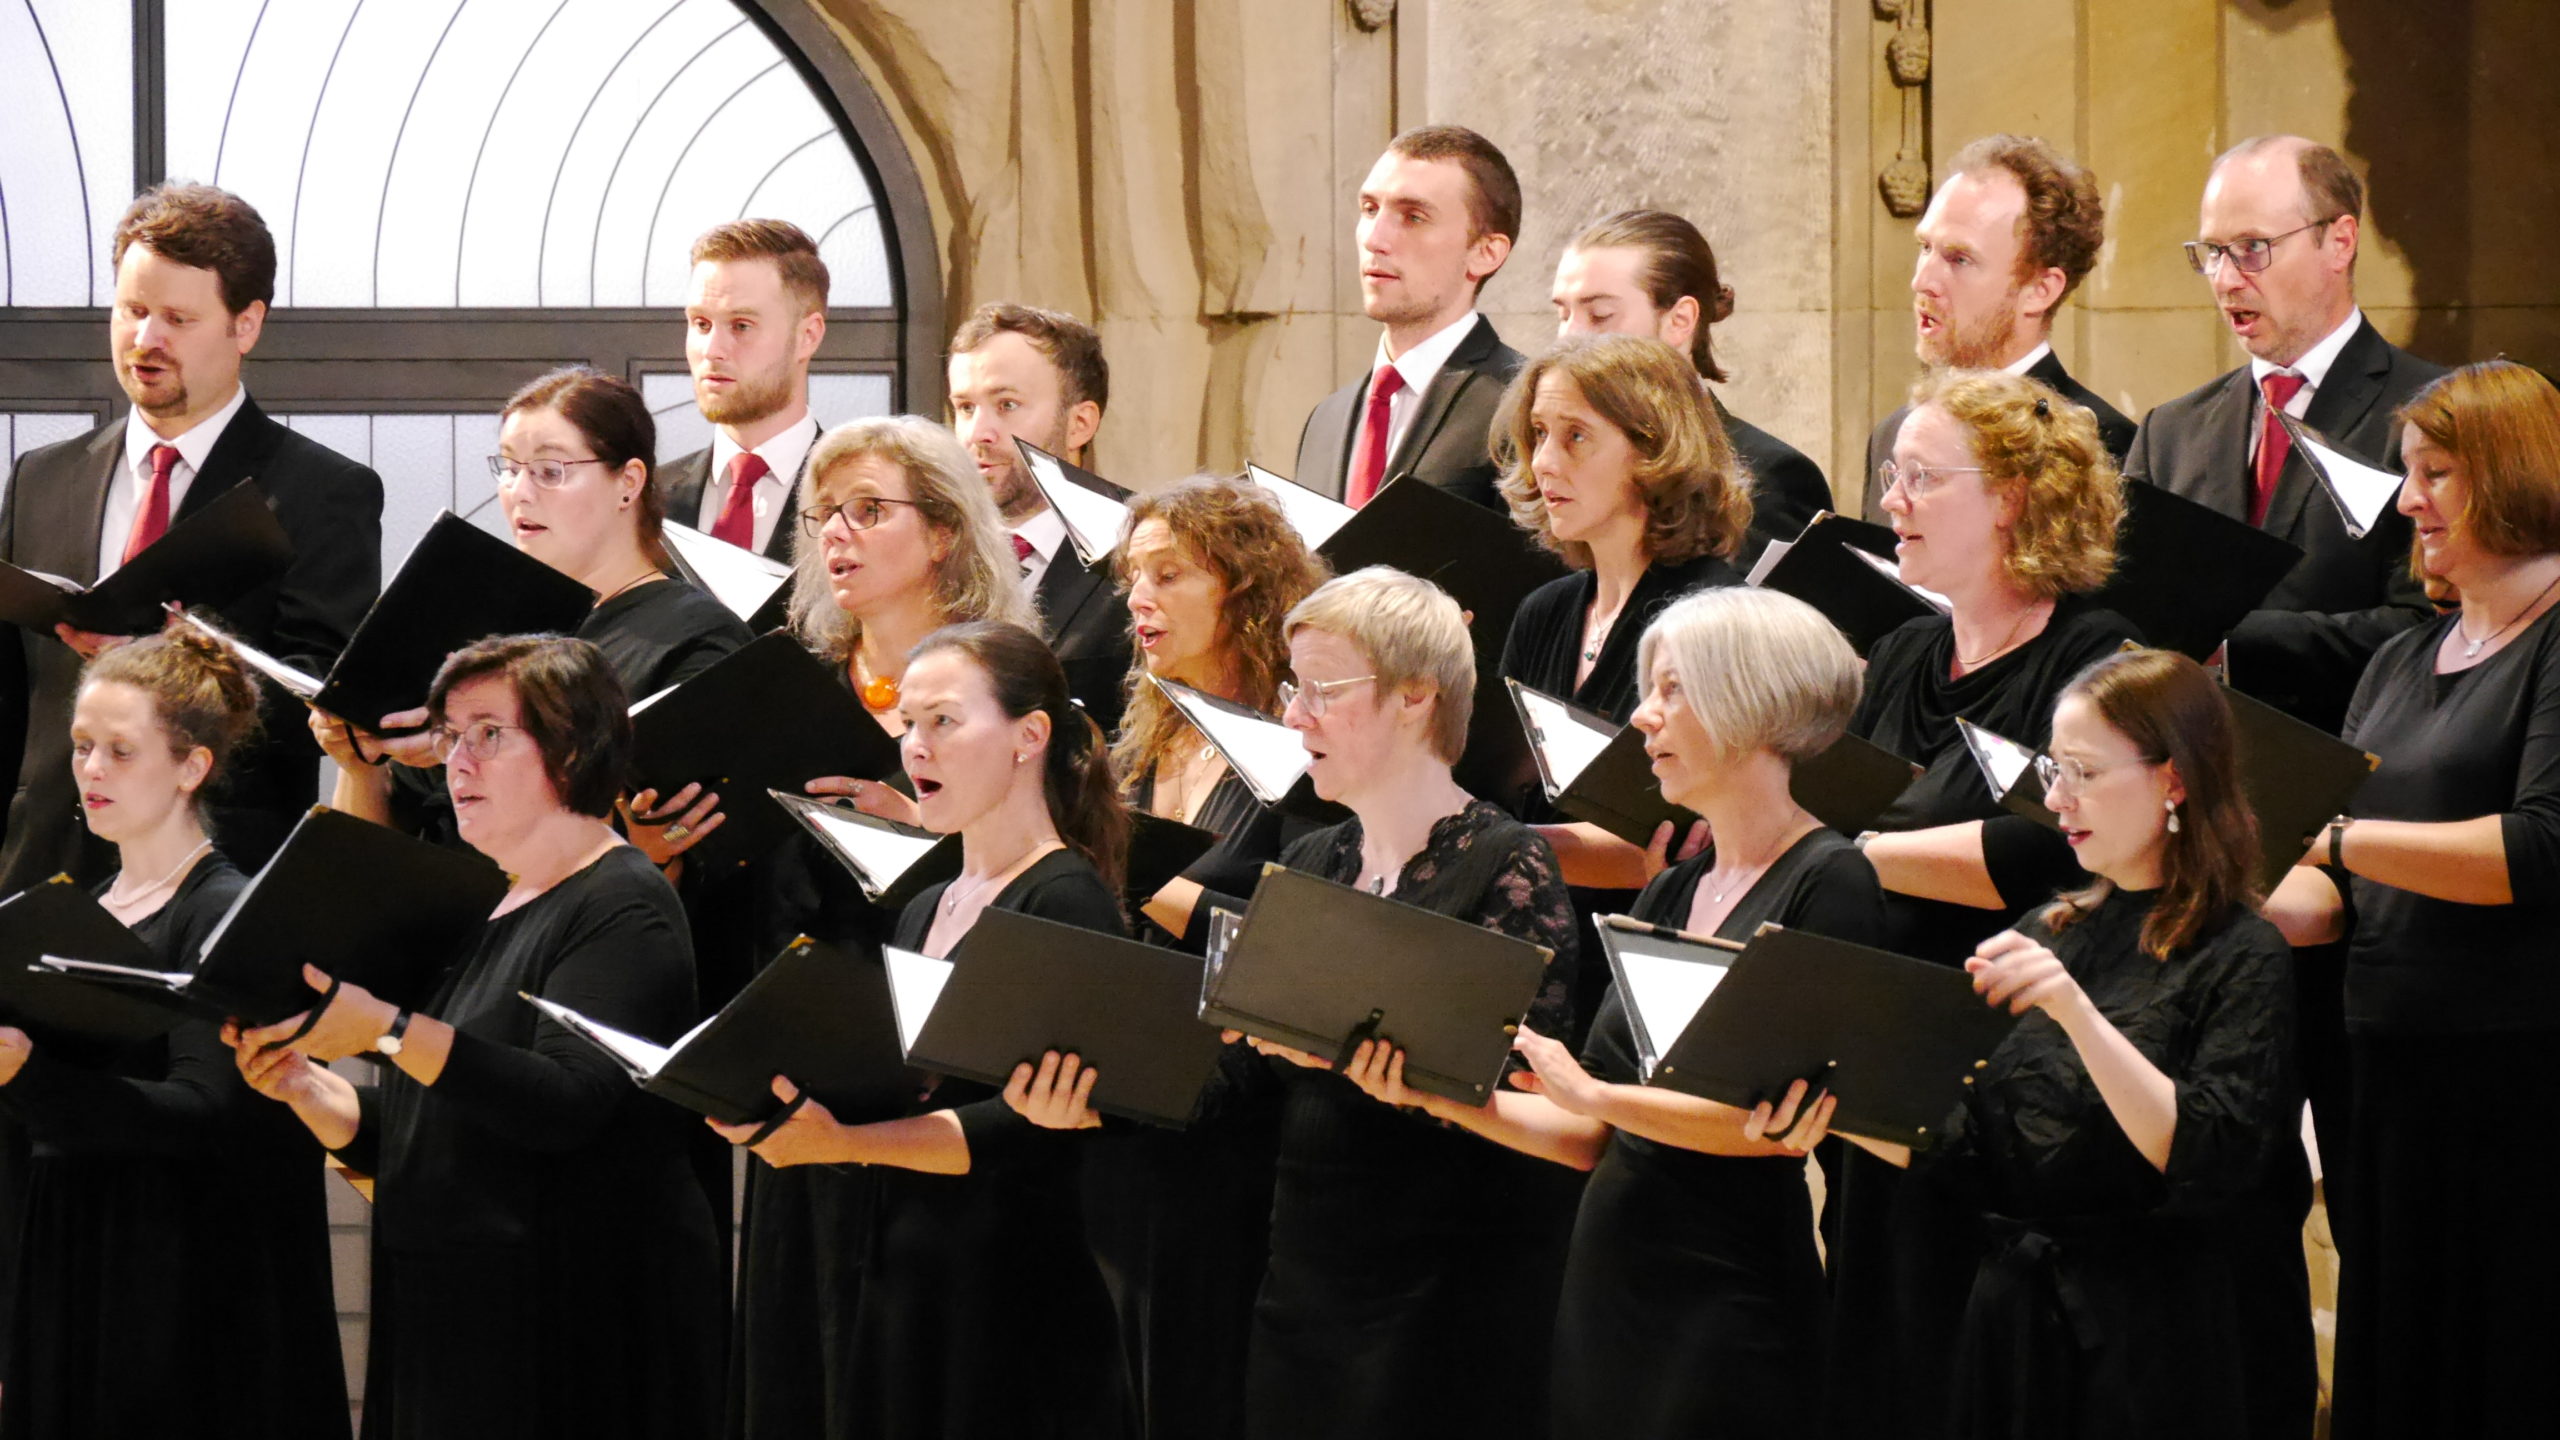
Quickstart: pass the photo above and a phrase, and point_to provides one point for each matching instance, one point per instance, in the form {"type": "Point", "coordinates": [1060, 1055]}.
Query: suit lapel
{"type": "Point", "coordinates": [1065, 589]}
{"type": "Point", "coordinates": [80, 507]}
{"type": "Point", "coordinates": [2223, 421]}
{"type": "Point", "coordinates": [1446, 387]}
{"type": "Point", "coordinates": [237, 453]}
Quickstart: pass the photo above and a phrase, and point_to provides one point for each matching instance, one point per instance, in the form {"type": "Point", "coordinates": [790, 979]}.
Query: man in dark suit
{"type": "Point", "coordinates": [2004, 242]}
{"type": "Point", "coordinates": [195, 270]}
{"type": "Point", "coordinates": [754, 312]}
{"type": "Point", "coordinates": [1437, 216]}
{"type": "Point", "coordinates": [1020, 371]}
{"type": "Point", "coordinates": [2280, 231]}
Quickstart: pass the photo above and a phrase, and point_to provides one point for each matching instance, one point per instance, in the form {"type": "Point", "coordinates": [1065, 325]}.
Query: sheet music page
{"type": "Point", "coordinates": [1315, 517]}
{"type": "Point", "coordinates": [296, 682]}
{"type": "Point", "coordinates": [879, 855]}
{"type": "Point", "coordinates": [2362, 493]}
{"type": "Point", "coordinates": [1768, 561]}
{"type": "Point", "coordinates": [915, 983]}
{"type": "Point", "coordinates": [637, 1055]}
{"type": "Point", "coordinates": [2002, 759]}
{"type": "Point", "coordinates": [1269, 755]}
{"type": "Point", "coordinates": [1093, 521]}
{"type": "Point", "coordinates": [1571, 743]}
{"type": "Point", "coordinates": [740, 579]}
{"type": "Point", "coordinates": [174, 979]}
{"type": "Point", "coordinates": [1666, 989]}
{"type": "Point", "coordinates": [1893, 572]}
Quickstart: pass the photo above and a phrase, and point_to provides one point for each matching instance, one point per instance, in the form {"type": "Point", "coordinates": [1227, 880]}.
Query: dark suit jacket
{"type": "Point", "coordinates": [1787, 488]}
{"type": "Point", "coordinates": [680, 484]}
{"type": "Point", "coordinates": [1087, 621]}
{"type": "Point", "coordinates": [2114, 430]}
{"type": "Point", "coordinates": [330, 507]}
{"type": "Point", "coordinates": [1445, 445]}
{"type": "Point", "coordinates": [2306, 650]}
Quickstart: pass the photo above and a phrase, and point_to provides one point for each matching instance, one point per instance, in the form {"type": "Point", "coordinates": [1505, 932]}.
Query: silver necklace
{"type": "Point", "coordinates": [1595, 632]}
{"type": "Point", "coordinates": [174, 873]}
{"type": "Point", "coordinates": [2008, 642]}
{"type": "Point", "coordinates": [952, 896]}
{"type": "Point", "coordinates": [2471, 648]}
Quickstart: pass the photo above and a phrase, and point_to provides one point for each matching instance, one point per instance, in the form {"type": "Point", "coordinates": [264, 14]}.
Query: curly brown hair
{"type": "Point", "coordinates": [1697, 498]}
{"type": "Point", "coordinates": [2044, 451]}
{"type": "Point", "coordinates": [2065, 223]}
{"type": "Point", "coordinates": [206, 229]}
{"type": "Point", "coordinates": [1238, 532]}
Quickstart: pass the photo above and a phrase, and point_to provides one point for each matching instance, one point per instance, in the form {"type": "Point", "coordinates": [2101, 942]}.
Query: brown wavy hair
{"type": "Point", "coordinates": [2173, 711]}
{"type": "Point", "coordinates": [1238, 532]}
{"type": "Point", "coordinates": [2502, 421]}
{"type": "Point", "coordinates": [2043, 450]}
{"type": "Point", "coordinates": [1697, 498]}
{"type": "Point", "coordinates": [2065, 222]}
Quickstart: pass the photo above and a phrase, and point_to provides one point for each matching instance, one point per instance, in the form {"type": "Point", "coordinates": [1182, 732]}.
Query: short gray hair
{"type": "Point", "coordinates": [977, 579]}
{"type": "Point", "coordinates": [1761, 670]}
{"type": "Point", "coordinates": [1411, 632]}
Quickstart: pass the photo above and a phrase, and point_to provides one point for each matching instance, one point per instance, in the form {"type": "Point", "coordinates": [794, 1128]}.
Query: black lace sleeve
{"type": "Point", "coordinates": [1527, 899]}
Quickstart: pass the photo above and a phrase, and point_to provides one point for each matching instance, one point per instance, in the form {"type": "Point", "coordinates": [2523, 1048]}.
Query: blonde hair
{"type": "Point", "coordinates": [977, 577]}
{"type": "Point", "coordinates": [1696, 496]}
{"type": "Point", "coordinates": [1411, 632]}
{"type": "Point", "coordinates": [2044, 451]}
{"type": "Point", "coordinates": [1761, 670]}
{"type": "Point", "coordinates": [1234, 529]}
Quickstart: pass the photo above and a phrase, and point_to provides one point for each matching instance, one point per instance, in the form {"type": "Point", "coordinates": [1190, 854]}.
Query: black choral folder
{"type": "Point", "coordinates": [893, 863]}
{"type": "Point", "coordinates": [1845, 569]}
{"type": "Point", "coordinates": [1896, 1039]}
{"type": "Point", "coordinates": [1017, 985]}
{"type": "Point", "coordinates": [1093, 509]}
{"type": "Point", "coordinates": [1320, 967]}
{"type": "Point", "coordinates": [459, 584]}
{"type": "Point", "coordinates": [817, 1015]}
{"type": "Point", "coordinates": [768, 716]}
{"type": "Point", "coordinates": [215, 555]}
{"type": "Point", "coordinates": [82, 1022]}
{"type": "Point", "coordinates": [363, 902]}
{"type": "Point", "coordinates": [2186, 573]}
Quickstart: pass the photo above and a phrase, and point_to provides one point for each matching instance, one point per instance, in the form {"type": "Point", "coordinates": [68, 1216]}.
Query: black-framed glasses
{"type": "Point", "coordinates": [860, 513]}
{"type": "Point", "coordinates": [1917, 479]}
{"type": "Point", "coordinates": [1316, 695]}
{"type": "Point", "coordinates": [548, 474]}
{"type": "Point", "coordinates": [481, 738]}
{"type": "Point", "coordinates": [2251, 254]}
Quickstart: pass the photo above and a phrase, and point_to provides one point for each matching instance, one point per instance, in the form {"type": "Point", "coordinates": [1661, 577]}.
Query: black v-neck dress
{"type": "Point", "coordinates": [1693, 1294]}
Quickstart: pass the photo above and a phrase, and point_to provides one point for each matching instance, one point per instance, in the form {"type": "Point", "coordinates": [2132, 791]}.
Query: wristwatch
{"type": "Point", "coordinates": [2337, 840]}
{"type": "Point", "coordinates": [389, 1044]}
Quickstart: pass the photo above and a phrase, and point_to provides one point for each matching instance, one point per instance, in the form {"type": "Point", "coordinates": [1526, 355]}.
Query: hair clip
{"type": "Point", "coordinates": [2044, 408]}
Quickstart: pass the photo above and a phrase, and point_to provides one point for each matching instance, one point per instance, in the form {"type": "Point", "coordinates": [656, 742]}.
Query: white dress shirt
{"type": "Point", "coordinates": [783, 456]}
{"type": "Point", "coordinates": [132, 480]}
{"type": "Point", "coordinates": [1045, 532]}
{"type": "Point", "coordinates": [2030, 360]}
{"type": "Point", "coordinates": [1419, 366]}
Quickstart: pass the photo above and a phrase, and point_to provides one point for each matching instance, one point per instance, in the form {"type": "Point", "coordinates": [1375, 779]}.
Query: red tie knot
{"type": "Point", "coordinates": [2280, 386]}
{"type": "Point", "coordinates": [1022, 550]}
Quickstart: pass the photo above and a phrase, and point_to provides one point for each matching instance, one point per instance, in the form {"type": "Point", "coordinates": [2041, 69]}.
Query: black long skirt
{"type": "Point", "coordinates": [2445, 1317]}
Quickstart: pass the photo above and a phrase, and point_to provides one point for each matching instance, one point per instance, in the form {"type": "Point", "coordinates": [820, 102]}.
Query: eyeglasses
{"type": "Point", "coordinates": [480, 738]}
{"type": "Point", "coordinates": [548, 474]}
{"type": "Point", "coordinates": [2069, 773]}
{"type": "Point", "coordinates": [860, 513]}
{"type": "Point", "coordinates": [1916, 479]}
{"type": "Point", "coordinates": [1317, 695]}
{"type": "Point", "coordinates": [2251, 255]}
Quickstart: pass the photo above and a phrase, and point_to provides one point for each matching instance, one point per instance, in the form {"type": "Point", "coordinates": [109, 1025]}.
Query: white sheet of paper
{"type": "Point", "coordinates": [1269, 755]}
{"type": "Point", "coordinates": [174, 979]}
{"type": "Point", "coordinates": [300, 684]}
{"type": "Point", "coordinates": [1768, 561]}
{"type": "Point", "coordinates": [740, 579]}
{"type": "Point", "coordinates": [2362, 493]}
{"type": "Point", "coordinates": [915, 982]}
{"type": "Point", "coordinates": [1892, 571]}
{"type": "Point", "coordinates": [1569, 742]}
{"type": "Point", "coordinates": [1315, 517]}
{"type": "Point", "coordinates": [1094, 521]}
{"type": "Point", "coordinates": [1666, 989]}
{"type": "Point", "coordinates": [2004, 759]}
{"type": "Point", "coordinates": [635, 1053]}
{"type": "Point", "coordinates": [641, 705]}
{"type": "Point", "coordinates": [879, 855]}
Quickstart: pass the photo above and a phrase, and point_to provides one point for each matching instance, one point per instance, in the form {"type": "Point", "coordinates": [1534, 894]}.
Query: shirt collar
{"type": "Point", "coordinates": [782, 454]}
{"type": "Point", "coordinates": [192, 447]}
{"type": "Point", "coordinates": [1045, 532]}
{"type": "Point", "coordinates": [2314, 365]}
{"type": "Point", "coordinates": [1421, 365]}
{"type": "Point", "coordinates": [2030, 360]}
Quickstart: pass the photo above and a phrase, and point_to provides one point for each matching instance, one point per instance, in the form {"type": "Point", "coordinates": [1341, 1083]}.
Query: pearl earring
{"type": "Point", "coordinates": [1017, 757]}
{"type": "Point", "coordinates": [2172, 807]}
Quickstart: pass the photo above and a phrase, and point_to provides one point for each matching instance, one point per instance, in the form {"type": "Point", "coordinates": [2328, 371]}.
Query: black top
{"type": "Point", "coordinates": [1787, 488]}
{"type": "Point", "coordinates": [2482, 741]}
{"type": "Point", "coordinates": [1545, 644]}
{"type": "Point", "coordinates": [662, 633]}
{"type": "Point", "coordinates": [1910, 708]}
{"type": "Point", "coordinates": [174, 1264]}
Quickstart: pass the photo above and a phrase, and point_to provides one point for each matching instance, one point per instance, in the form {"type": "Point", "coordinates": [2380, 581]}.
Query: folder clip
{"type": "Point", "coordinates": [1365, 1030]}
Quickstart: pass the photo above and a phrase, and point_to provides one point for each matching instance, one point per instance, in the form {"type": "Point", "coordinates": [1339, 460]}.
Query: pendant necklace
{"type": "Point", "coordinates": [2471, 648]}
{"type": "Point", "coordinates": [189, 859]}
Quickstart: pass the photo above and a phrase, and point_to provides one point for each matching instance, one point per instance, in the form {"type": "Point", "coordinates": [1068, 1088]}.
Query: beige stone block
{"type": "Point", "coordinates": [2140, 358]}
{"type": "Point", "coordinates": [2150, 141]}
{"type": "Point", "coordinates": [2002, 65]}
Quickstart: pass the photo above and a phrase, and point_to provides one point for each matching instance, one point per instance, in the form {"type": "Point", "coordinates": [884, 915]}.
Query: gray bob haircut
{"type": "Point", "coordinates": [977, 577]}
{"type": "Point", "coordinates": [1411, 632]}
{"type": "Point", "coordinates": [1761, 670]}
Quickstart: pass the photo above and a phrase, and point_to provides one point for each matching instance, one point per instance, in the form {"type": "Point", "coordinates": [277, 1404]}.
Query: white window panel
{"type": "Point", "coordinates": [429, 463]}
{"type": "Point", "coordinates": [834, 399]}
{"type": "Point", "coordinates": [489, 153]}
{"type": "Point", "coordinates": [66, 152]}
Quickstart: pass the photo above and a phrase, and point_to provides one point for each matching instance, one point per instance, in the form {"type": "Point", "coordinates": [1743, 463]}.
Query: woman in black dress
{"type": "Point", "coordinates": [1649, 272]}
{"type": "Point", "coordinates": [2446, 863]}
{"type": "Point", "coordinates": [1615, 463]}
{"type": "Point", "coordinates": [2135, 1114]}
{"type": "Point", "coordinates": [1692, 1295]}
{"type": "Point", "coordinates": [980, 1313]}
{"type": "Point", "coordinates": [1414, 1267]}
{"type": "Point", "coordinates": [543, 1260]}
{"type": "Point", "coordinates": [2007, 505]}
{"type": "Point", "coordinates": [174, 1264]}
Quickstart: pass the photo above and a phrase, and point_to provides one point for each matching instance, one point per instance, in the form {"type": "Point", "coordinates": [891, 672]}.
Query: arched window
{"type": "Point", "coordinates": [463, 193]}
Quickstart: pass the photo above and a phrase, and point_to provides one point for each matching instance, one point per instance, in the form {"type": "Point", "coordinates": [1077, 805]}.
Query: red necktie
{"type": "Point", "coordinates": [2274, 444]}
{"type": "Point", "coordinates": [737, 522]}
{"type": "Point", "coordinates": [151, 517]}
{"type": "Point", "coordinates": [1022, 552]}
{"type": "Point", "coordinates": [1369, 466]}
